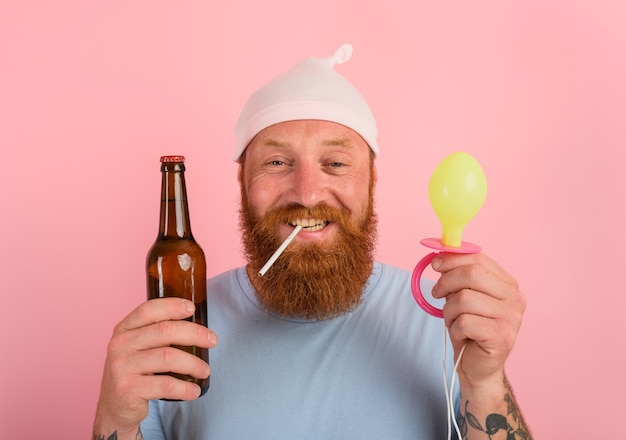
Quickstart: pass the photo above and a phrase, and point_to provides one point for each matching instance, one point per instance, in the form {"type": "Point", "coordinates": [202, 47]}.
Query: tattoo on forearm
{"type": "Point", "coordinates": [101, 437]}
{"type": "Point", "coordinates": [138, 436]}
{"type": "Point", "coordinates": [513, 422]}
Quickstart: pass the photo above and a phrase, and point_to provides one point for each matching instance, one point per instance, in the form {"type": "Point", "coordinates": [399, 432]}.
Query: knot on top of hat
{"type": "Point", "coordinates": [341, 55]}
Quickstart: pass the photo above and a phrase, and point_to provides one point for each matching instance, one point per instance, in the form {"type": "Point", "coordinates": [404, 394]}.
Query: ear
{"type": "Point", "coordinates": [374, 173]}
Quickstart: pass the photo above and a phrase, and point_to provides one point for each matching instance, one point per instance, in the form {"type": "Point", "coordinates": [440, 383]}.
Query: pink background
{"type": "Point", "coordinates": [93, 92]}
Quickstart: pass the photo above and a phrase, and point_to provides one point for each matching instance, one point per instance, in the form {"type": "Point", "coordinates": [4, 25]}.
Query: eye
{"type": "Point", "coordinates": [336, 164]}
{"type": "Point", "coordinates": [276, 163]}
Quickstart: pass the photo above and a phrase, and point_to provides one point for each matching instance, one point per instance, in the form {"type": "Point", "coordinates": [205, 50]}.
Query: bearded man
{"type": "Point", "coordinates": [328, 343]}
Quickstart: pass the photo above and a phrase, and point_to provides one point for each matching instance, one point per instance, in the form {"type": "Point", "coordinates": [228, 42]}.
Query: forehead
{"type": "Point", "coordinates": [308, 133]}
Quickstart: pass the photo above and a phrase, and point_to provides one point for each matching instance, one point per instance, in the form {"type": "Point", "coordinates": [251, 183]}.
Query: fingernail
{"type": "Point", "coordinates": [188, 306]}
{"type": "Point", "coordinates": [437, 262]}
{"type": "Point", "coordinates": [433, 291]}
{"type": "Point", "coordinates": [212, 338]}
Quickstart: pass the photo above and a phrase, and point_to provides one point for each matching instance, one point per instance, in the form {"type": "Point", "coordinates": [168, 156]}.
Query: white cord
{"type": "Point", "coordinates": [450, 393]}
{"type": "Point", "coordinates": [445, 380]}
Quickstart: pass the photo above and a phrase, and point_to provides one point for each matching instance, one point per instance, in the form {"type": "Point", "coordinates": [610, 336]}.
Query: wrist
{"type": "Point", "coordinates": [105, 429]}
{"type": "Point", "coordinates": [484, 390]}
{"type": "Point", "coordinates": [100, 433]}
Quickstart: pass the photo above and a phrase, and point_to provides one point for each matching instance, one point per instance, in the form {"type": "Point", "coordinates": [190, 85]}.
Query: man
{"type": "Point", "coordinates": [328, 343]}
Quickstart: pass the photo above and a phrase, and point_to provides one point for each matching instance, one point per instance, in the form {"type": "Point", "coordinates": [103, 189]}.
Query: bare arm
{"type": "Point", "coordinates": [483, 311]}
{"type": "Point", "coordinates": [499, 415]}
{"type": "Point", "coordinates": [139, 348]}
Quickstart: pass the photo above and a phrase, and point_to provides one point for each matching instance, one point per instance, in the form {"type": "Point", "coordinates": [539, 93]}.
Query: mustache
{"type": "Point", "coordinates": [294, 211]}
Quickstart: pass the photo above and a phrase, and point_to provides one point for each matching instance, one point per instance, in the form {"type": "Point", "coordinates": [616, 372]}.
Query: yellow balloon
{"type": "Point", "coordinates": [457, 191]}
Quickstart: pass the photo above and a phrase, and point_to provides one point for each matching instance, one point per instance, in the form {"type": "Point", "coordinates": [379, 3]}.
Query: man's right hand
{"type": "Point", "coordinates": [139, 348]}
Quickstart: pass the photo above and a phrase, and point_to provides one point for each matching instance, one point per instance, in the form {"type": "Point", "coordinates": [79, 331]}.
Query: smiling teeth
{"type": "Point", "coordinates": [311, 224]}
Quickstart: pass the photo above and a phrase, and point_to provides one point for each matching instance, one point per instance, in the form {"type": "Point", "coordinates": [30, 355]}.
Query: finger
{"type": "Point", "coordinates": [168, 359]}
{"type": "Point", "coordinates": [495, 337]}
{"type": "Point", "coordinates": [155, 310]}
{"type": "Point", "coordinates": [505, 314]}
{"type": "Point", "coordinates": [468, 301]}
{"type": "Point", "coordinates": [169, 387]}
{"type": "Point", "coordinates": [163, 386]}
{"type": "Point", "coordinates": [470, 277]}
{"type": "Point", "coordinates": [475, 276]}
{"type": "Point", "coordinates": [446, 261]}
{"type": "Point", "coordinates": [166, 333]}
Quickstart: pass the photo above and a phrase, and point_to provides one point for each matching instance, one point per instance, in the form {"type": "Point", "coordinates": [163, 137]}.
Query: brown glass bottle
{"type": "Point", "coordinates": [176, 266]}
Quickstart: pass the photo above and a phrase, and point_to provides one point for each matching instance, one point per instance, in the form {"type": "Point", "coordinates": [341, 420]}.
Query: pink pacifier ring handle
{"type": "Point", "coordinates": [417, 291]}
{"type": "Point", "coordinates": [433, 243]}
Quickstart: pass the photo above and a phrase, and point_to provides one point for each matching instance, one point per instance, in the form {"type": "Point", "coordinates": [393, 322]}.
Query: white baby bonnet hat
{"type": "Point", "coordinates": [310, 90]}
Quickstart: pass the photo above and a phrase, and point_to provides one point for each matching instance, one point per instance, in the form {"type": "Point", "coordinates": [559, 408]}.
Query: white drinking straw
{"type": "Point", "coordinates": [280, 250]}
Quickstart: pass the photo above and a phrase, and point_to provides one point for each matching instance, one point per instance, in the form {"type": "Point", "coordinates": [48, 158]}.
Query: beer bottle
{"type": "Point", "coordinates": [175, 264]}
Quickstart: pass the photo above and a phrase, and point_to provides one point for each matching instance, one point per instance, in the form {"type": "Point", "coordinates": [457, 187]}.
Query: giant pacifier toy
{"type": "Point", "coordinates": [457, 191]}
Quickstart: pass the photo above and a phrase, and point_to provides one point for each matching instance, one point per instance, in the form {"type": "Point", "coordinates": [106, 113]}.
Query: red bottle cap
{"type": "Point", "coordinates": [169, 159]}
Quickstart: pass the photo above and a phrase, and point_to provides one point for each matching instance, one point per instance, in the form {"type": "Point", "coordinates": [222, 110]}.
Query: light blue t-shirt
{"type": "Point", "coordinates": [375, 373]}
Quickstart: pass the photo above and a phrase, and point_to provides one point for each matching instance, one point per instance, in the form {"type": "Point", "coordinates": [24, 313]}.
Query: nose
{"type": "Point", "coordinates": [308, 185]}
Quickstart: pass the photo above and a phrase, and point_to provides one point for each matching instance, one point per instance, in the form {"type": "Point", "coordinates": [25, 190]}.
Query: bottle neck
{"type": "Point", "coordinates": [174, 219]}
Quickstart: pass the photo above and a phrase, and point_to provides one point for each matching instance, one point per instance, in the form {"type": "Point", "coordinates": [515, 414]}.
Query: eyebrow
{"type": "Point", "coordinates": [274, 143]}
{"type": "Point", "coordinates": [339, 142]}
{"type": "Point", "coordinates": [333, 142]}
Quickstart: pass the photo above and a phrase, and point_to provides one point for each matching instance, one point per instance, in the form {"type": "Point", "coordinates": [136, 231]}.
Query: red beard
{"type": "Point", "coordinates": [309, 280]}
